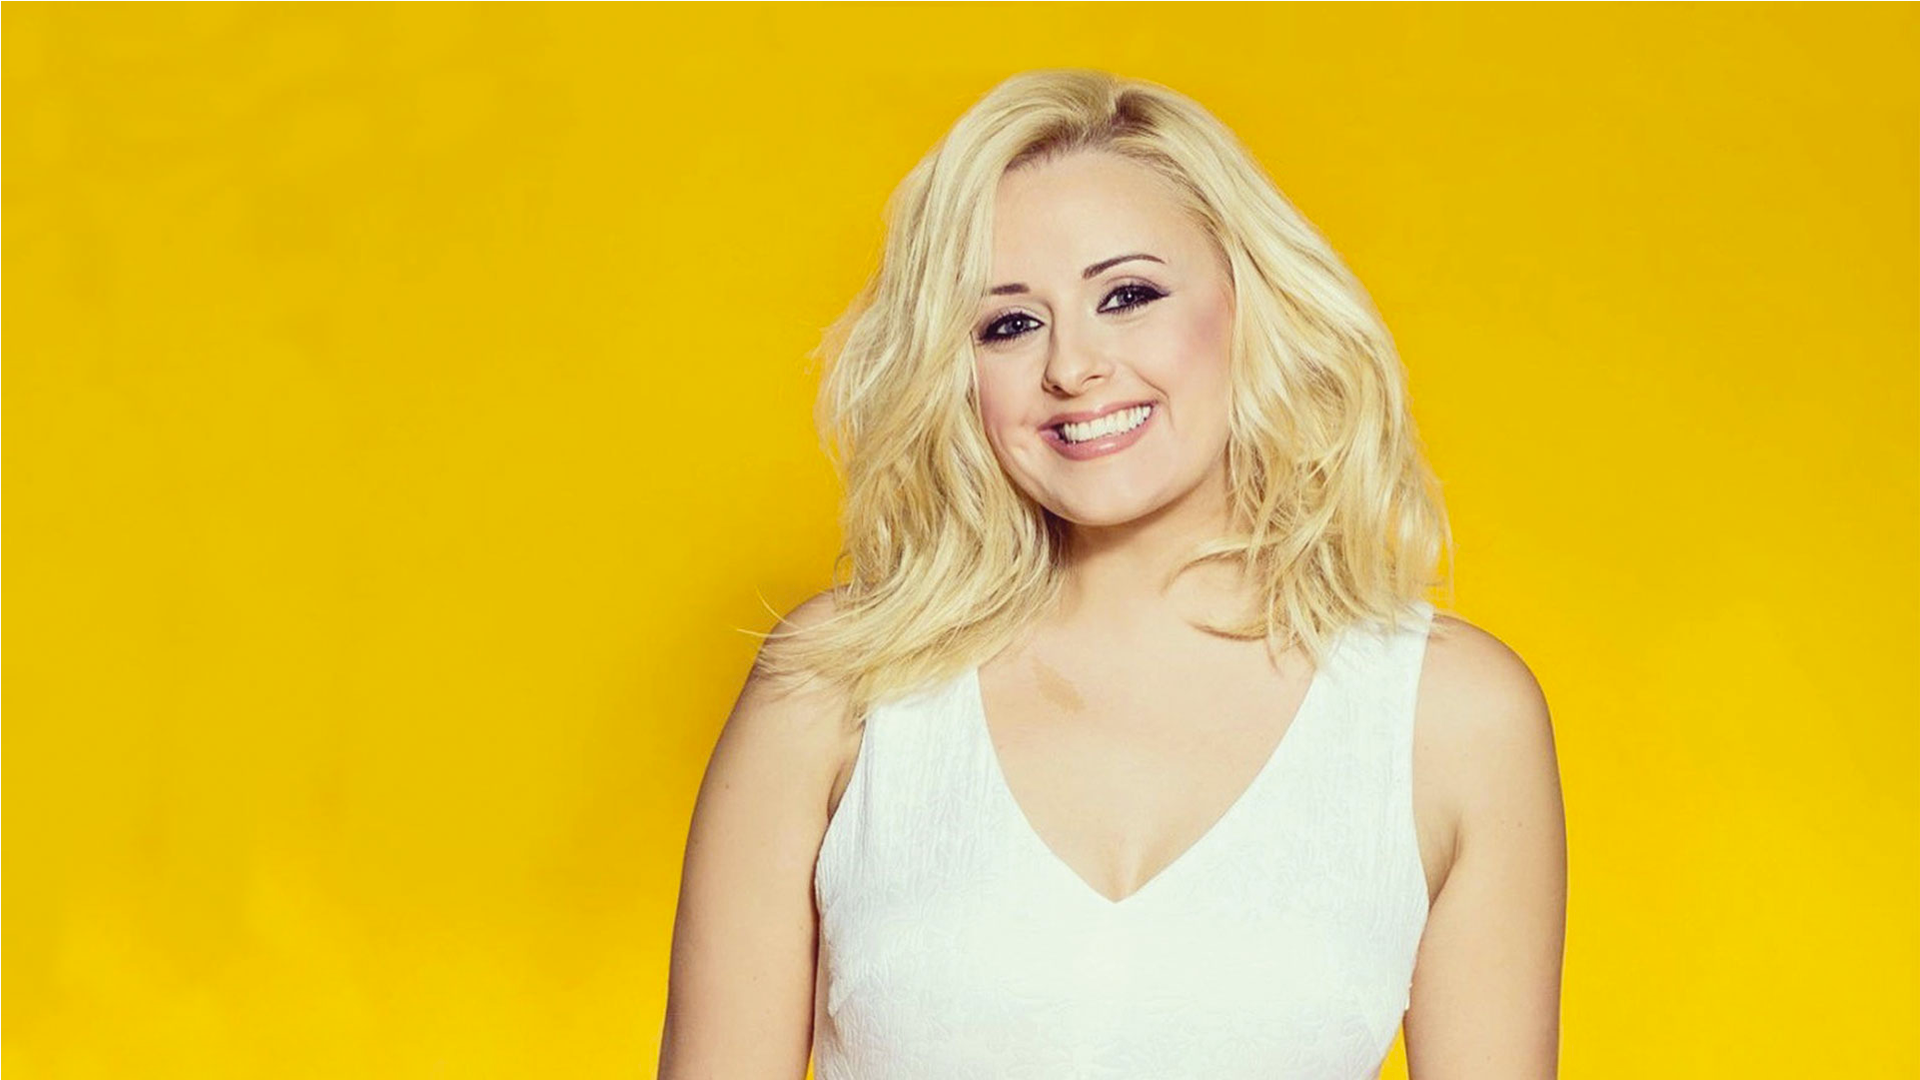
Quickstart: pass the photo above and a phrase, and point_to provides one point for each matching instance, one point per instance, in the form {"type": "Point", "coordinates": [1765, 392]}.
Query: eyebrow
{"type": "Point", "coordinates": [1016, 287]}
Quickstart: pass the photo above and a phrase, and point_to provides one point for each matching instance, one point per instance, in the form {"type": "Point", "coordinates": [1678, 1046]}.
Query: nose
{"type": "Point", "coordinates": [1074, 360]}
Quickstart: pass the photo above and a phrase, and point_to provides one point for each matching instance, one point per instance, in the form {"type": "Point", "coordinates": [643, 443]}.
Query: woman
{"type": "Point", "coordinates": [1130, 747]}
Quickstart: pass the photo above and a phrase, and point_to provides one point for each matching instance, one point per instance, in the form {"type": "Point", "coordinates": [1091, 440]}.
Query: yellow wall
{"type": "Point", "coordinates": [402, 402]}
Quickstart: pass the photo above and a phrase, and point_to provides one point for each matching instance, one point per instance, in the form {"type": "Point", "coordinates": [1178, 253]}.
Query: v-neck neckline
{"type": "Point", "coordinates": [1309, 702]}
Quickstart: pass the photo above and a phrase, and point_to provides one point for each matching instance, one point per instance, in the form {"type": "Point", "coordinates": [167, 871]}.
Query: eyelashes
{"type": "Point", "coordinates": [1009, 327]}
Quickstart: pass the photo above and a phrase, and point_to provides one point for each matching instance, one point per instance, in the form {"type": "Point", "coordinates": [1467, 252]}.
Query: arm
{"type": "Point", "coordinates": [740, 988]}
{"type": "Point", "coordinates": [1485, 1002]}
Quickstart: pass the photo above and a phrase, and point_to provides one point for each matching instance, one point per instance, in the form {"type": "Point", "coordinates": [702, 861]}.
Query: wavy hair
{"type": "Point", "coordinates": [1335, 512]}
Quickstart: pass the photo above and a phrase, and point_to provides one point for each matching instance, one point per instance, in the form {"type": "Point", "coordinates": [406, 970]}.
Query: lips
{"type": "Point", "coordinates": [1090, 414]}
{"type": "Point", "coordinates": [1103, 445]}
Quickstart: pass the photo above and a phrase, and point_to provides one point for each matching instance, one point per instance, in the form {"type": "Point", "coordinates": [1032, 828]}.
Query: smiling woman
{"type": "Point", "coordinates": [1130, 745]}
{"type": "Point", "coordinates": [1142, 339]}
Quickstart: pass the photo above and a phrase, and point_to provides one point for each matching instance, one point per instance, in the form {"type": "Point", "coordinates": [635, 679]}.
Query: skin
{"type": "Point", "coordinates": [1124, 732]}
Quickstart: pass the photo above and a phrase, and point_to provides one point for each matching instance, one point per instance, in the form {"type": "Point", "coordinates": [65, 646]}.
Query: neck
{"type": "Point", "coordinates": [1114, 573]}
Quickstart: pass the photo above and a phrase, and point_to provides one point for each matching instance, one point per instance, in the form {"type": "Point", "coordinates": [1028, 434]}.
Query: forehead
{"type": "Point", "coordinates": [1083, 207]}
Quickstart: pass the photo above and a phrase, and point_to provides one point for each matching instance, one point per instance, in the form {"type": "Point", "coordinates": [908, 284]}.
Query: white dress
{"type": "Point", "coordinates": [954, 943]}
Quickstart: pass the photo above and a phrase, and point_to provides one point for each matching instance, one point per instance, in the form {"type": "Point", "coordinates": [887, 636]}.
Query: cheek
{"type": "Point", "coordinates": [1215, 334]}
{"type": "Point", "coordinates": [1200, 351]}
{"type": "Point", "coordinates": [999, 406]}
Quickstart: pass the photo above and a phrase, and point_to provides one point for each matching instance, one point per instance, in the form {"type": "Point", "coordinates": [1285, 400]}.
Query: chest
{"type": "Point", "coordinates": [1277, 939]}
{"type": "Point", "coordinates": [1160, 869]}
{"type": "Point", "coordinates": [1119, 772]}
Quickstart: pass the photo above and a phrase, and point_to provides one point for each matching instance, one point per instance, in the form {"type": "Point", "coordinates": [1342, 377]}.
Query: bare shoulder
{"type": "Point", "coordinates": [1473, 678]}
{"type": "Point", "coordinates": [814, 609]}
{"type": "Point", "coordinates": [780, 747]}
{"type": "Point", "coordinates": [1485, 995]}
{"type": "Point", "coordinates": [790, 708]}
{"type": "Point", "coordinates": [803, 716]}
{"type": "Point", "coordinates": [740, 989]}
{"type": "Point", "coordinates": [836, 731]}
{"type": "Point", "coordinates": [1484, 730]}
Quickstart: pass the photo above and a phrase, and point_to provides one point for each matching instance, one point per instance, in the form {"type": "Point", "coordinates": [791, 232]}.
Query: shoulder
{"type": "Point", "coordinates": [1484, 730]}
{"type": "Point", "coordinates": [836, 732]}
{"type": "Point", "coordinates": [819, 608]}
{"type": "Point", "coordinates": [789, 726]}
{"type": "Point", "coordinates": [744, 935]}
{"type": "Point", "coordinates": [1471, 678]}
{"type": "Point", "coordinates": [1487, 976]}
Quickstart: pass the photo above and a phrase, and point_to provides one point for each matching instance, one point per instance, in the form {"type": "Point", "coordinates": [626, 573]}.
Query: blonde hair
{"type": "Point", "coordinates": [1337, 515]}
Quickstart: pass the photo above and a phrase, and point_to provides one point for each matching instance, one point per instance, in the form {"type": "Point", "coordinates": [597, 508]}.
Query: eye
{"type": "Point", "coordinates": [1132, 295]}
{"type": "Point", "coordinates": [1005, 329]}
{"type": "Point", "coordinates": [1136, 295]}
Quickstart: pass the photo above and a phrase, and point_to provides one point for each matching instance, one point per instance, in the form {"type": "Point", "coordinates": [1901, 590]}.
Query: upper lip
{"type": "Point", "coordinates": [1090, 414]}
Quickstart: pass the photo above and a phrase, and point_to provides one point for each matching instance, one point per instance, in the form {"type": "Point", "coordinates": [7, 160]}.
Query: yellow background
{"type": "Point", "coordinates": [402, 403]}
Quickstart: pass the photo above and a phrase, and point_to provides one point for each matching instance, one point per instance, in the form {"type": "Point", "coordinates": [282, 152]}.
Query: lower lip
{"type": "Point", "coordinates": [1101, 447]}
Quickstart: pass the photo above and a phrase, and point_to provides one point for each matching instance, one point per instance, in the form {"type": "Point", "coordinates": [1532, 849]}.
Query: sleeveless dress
{"type": "Point", "coordinates": [953, 943]}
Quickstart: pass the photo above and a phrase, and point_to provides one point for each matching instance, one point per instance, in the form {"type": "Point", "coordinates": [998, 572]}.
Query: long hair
{"type": "Point", "coordinates": [1336, 514]}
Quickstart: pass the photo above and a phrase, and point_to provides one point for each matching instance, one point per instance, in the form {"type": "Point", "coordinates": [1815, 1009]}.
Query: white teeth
{"type": "Point", "coordinates": [1112, 423]}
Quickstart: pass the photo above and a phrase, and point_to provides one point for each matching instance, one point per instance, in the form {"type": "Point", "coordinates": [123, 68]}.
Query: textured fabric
{"type": "Point", "coordinates": [955, 944]}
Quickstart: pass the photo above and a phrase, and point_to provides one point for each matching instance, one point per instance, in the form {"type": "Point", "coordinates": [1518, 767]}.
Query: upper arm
{"type": "Point", "coordinates": [1485, 1001]}
{"type": "Point", "coordinates": [740, 988]}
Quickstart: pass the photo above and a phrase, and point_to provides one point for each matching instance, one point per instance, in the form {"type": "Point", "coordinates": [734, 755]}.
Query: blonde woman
{"type": "Point", "coordinates": [1129, 745]}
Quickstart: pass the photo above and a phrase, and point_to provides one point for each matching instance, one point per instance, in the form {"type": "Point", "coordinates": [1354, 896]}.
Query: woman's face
{"type": "Point", "coordinates": [1108, 307]}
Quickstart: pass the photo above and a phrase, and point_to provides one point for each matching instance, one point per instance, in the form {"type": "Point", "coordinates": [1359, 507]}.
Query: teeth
{"type": "Point", "coordinates": [1110, 424]}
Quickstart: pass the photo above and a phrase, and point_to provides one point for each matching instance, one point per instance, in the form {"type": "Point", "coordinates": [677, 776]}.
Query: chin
{"type": "Point", "coordinates": [1101, 513]}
